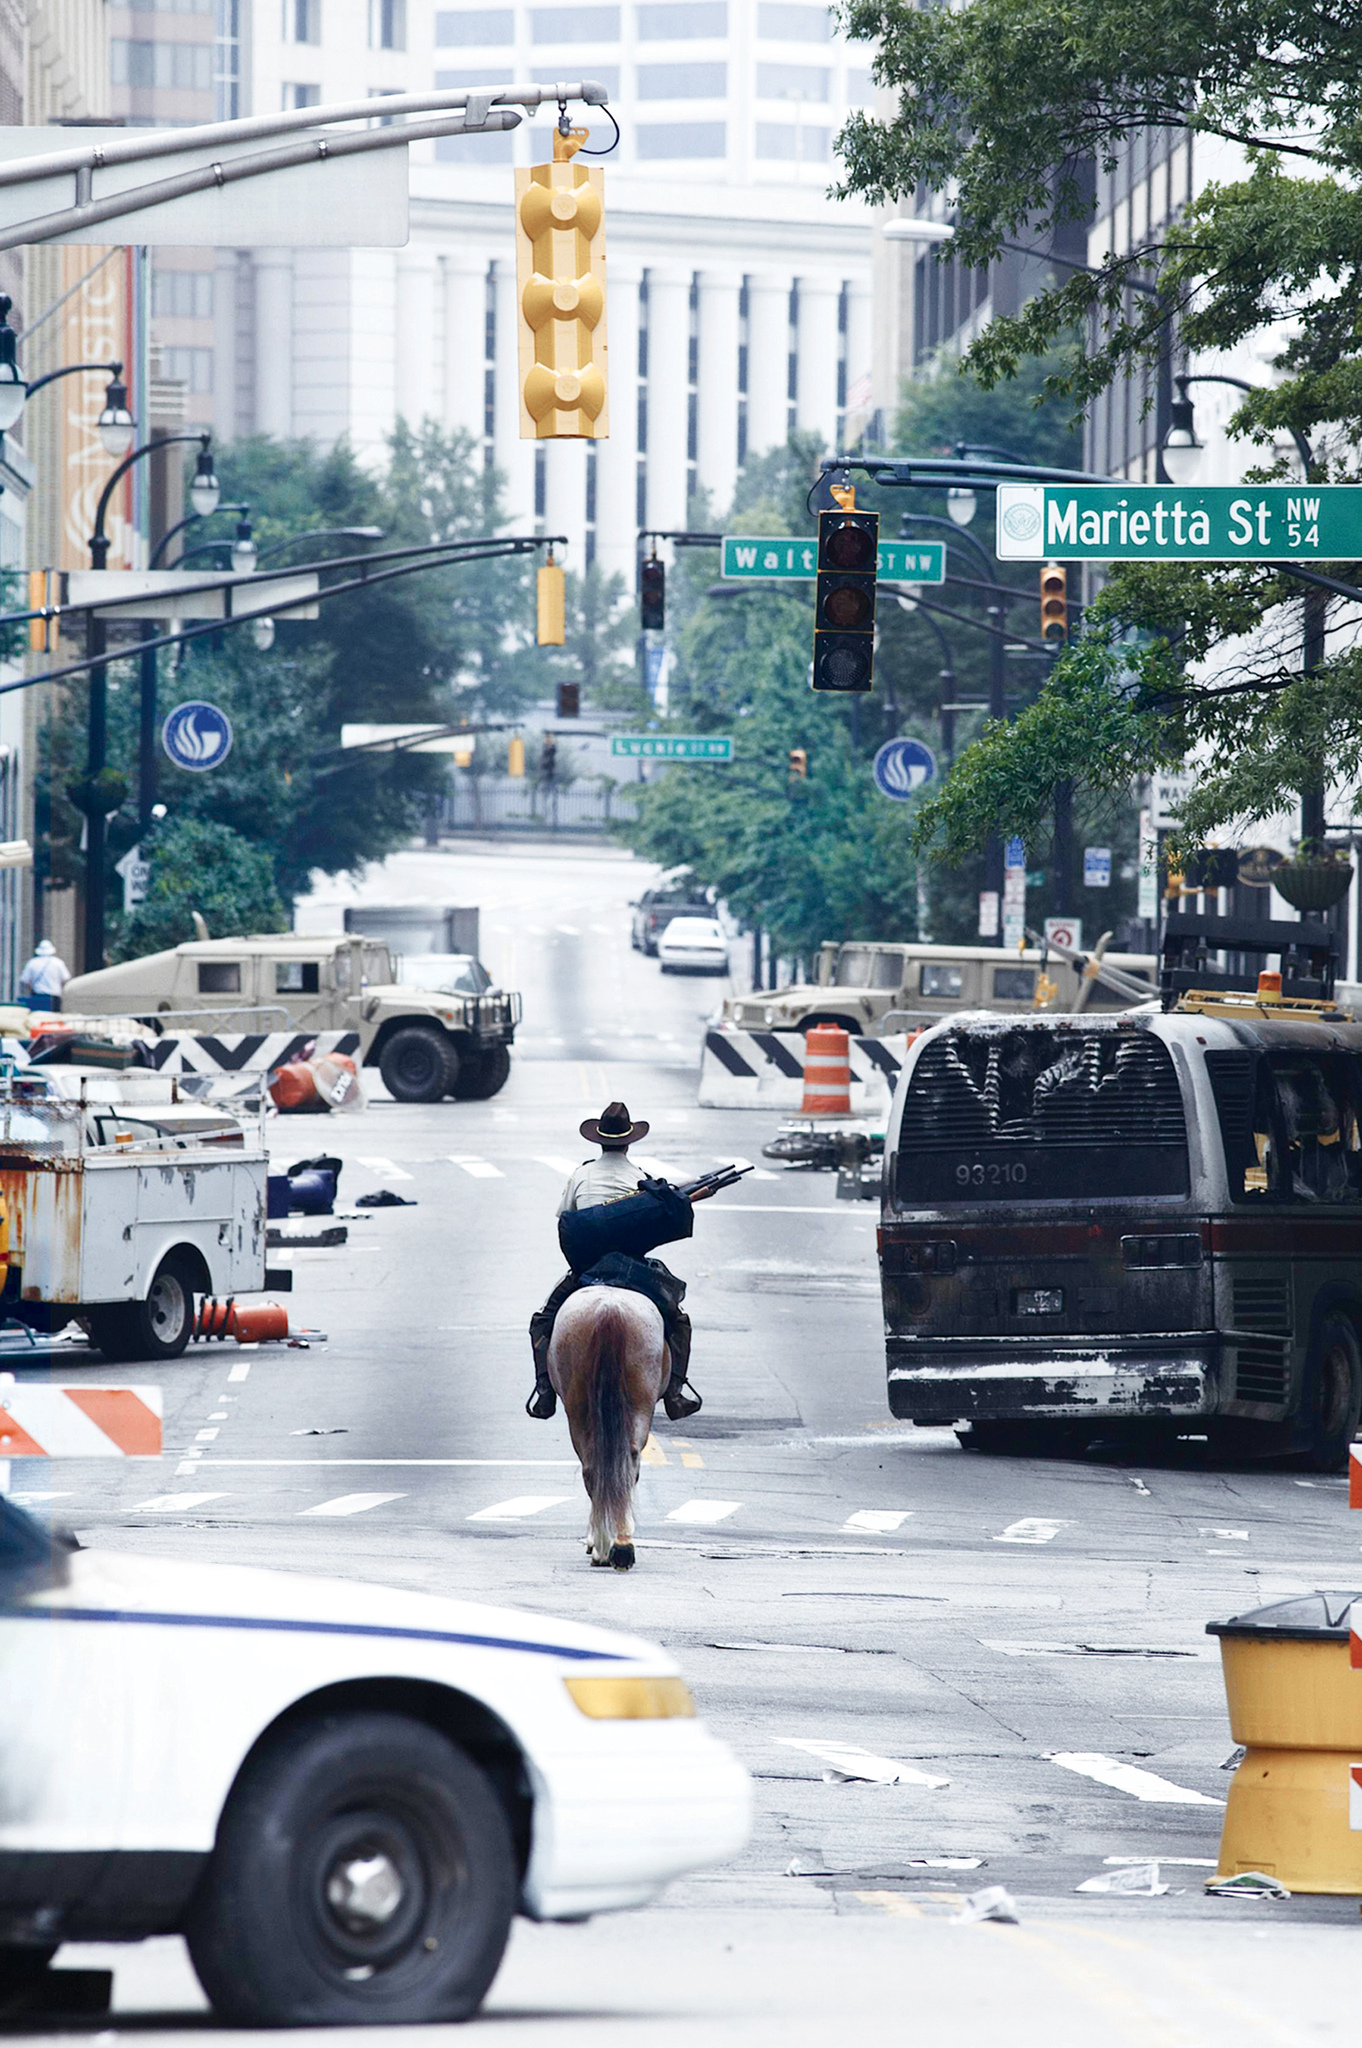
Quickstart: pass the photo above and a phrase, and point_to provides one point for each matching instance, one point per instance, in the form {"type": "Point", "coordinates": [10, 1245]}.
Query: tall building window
{"type": "Point", "coordinates": [793, 142]}
{"type": "Point", "coordinates": [192, 367]}
{"type": "Point", "coordinates": [791, 21]}
{"type": "Point", "coordinates": [182, 294]}
{"type": "Point", "coordinates": [574, 24]}
{"type": "Point", "coordinates": [681, 20]}
{"type": "Point", "coordinates": [792, 82]}
{"type": "Point", "coordinates": [226, 59]}
{"type": "Point", "coordinates": [302, 21]}
{"type": "Point", "coordinates": [488, 25]}
{"type": "Point", "coordinates": [387, 24]}
{"type": "Point", "coordinates": [296, 96]}
{"type": "Point", "coordinates": [667, 139]}
{"type": "Point", "coordinates": [682, 81]}
{"type": "Point", "coordinates": [179, 67]}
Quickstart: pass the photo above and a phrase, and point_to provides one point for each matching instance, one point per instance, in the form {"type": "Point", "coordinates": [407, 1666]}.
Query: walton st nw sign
{"type": "Point", "coordinates": [1156, 523]}
{"type": "Point", "coordinates": [784, 559]}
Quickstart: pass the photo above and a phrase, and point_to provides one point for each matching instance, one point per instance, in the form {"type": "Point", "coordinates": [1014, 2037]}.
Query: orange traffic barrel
{"type": "Point", "coordinates": [827, 1072]}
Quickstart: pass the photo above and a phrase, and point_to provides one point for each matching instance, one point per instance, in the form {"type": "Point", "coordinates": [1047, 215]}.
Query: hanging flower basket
{"type": "Point", "coordinates": [1313, 884]}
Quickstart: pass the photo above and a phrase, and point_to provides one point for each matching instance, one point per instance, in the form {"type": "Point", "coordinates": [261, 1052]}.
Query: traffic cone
{"type": "Point", "coordinates": [827, 1072]}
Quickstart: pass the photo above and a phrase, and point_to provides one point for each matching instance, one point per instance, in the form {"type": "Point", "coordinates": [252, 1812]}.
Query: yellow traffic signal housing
{"type": "Point", "coordinates": [551, 606]}
{"type": "Point", "coordinates": [1054, 602]}
{"type": "Point", "coordinates": [799, 762]}
{"type": "Point", "coordinates": [560, 279]}
{"type": "Point", "coordinates": [42, 633]}
{"type": "Point", "coordinates": [515, 756]}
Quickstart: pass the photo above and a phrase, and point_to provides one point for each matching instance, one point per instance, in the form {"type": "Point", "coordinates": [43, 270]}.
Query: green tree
{"type": "Point", "coordinates": [1006, 107]}
{"type": "Point", "coordinates": [198, 865]}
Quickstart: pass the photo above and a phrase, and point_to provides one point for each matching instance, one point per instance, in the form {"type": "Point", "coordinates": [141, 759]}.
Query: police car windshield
{"type": "Point", "coordinates": [452, 974]}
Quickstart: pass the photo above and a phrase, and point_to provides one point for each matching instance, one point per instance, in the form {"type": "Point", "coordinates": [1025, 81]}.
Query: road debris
{"type": "Point", "coordinates": [794, 1868]}
{"type": "Point", "coordinates": [384, 1199]}
{"type": "Point", "coordinates": [994, 1902]}
{"type": "Point", "coordinates": [1235, 1758]}
{"type": "Point", "coordinates": [1140, 1880]}
{"type": "Point", "coordinates": [1246, 1884]}
{"type": "Point", "coordinates": [319, 1432]}
{"type": "Point", "coordinates": [849, 1764]}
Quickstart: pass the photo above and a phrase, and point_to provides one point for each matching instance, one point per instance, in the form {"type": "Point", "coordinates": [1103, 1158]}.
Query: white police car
{"type": "Point", "coordinates": [339, 1793]}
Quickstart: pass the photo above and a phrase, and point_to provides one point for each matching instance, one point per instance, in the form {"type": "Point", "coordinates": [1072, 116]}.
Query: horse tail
{"type": "Point", "coordinates": [612, 1455]}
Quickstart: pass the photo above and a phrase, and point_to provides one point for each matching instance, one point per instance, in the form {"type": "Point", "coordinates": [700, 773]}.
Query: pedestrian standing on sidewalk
{"type": "Point", "coordinates": [43, 978]}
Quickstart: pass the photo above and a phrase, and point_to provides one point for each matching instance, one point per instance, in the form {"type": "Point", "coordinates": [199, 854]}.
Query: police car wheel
{"type": "Point", "coordinates": [363, 1874]}
{"type": "Point", "coordinates": [1332, 1405]}
{"type": "Point", "coordinates": [418, 1065]}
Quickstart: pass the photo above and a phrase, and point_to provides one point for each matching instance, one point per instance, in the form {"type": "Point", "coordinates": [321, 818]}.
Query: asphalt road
{"type": "Point", "coordinates": [1027, 1636]}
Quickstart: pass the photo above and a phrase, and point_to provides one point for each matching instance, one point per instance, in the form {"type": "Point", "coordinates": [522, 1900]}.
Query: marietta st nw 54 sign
{"type": "Point", "coordinates": [1156, 523]}
{"type": "Point", "coordinates": [672, 746]}
{"type": "Point", "coordinates": [784, 559]}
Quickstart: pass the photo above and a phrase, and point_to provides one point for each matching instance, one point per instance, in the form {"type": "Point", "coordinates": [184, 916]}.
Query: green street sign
{"type": "Point", "coordinates": [672, 746]}
{"type": "Point", "coordinates": [1156, 523]}
{"type": "Point", "coordinates": [785, 560]}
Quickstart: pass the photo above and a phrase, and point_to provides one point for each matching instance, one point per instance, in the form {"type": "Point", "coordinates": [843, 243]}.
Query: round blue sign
{"type": "Point", "coordinates": [197, 736]}
{"type": "Point", "coordinates": [902, 767]}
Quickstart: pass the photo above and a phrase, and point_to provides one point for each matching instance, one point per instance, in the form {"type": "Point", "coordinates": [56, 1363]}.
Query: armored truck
{"type": "Point", "coordinates": [427, 1042]}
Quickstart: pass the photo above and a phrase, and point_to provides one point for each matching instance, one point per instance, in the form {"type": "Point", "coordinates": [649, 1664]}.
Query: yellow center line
{"type": "Point", "coordinates": [693, 1459]}
{"type": "Point", "coordinates": [653, 1453]}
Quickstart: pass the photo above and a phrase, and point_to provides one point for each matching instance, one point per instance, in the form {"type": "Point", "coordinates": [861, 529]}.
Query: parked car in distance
{"type": "Point", "coordinates": [693, 945]}
{"type": "Point", "coordinates": [676, 895]}
{"type": "Point", "coordinates": [339, 1793]}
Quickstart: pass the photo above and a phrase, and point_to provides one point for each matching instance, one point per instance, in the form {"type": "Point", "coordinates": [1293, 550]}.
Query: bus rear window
{"type": "Point", "coordinates": [1042, 1116]}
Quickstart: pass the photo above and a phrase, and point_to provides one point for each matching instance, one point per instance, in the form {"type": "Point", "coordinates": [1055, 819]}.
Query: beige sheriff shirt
{"type": "Point", "coordinates": [607, 1179]}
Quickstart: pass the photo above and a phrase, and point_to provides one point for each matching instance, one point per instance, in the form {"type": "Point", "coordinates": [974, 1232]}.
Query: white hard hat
{"type": "Point", "coordinates": [46, 946]}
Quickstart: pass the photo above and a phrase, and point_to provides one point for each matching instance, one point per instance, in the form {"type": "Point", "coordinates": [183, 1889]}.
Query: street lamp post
{"type": "Point", "coordinates": [1183, 455]}
{"type": "Point", "coordinates": [114, 425]}
{"type": "Point", "coordinates": [204, 493]}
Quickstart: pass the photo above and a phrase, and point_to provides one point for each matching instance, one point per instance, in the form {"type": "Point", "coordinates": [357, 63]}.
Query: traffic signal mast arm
{"type": "Point", "coordinates": [449, 555]}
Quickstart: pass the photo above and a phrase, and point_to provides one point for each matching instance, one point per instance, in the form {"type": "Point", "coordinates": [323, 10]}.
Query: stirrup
{"type": "Point", "coordinates": [681, 1401]}
{"type": "Point", "coordinates": [542, 1405]}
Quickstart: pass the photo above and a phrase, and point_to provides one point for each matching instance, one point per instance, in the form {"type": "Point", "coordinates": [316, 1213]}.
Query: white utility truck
{"type": "Point", "coordinates": [122, 1203]}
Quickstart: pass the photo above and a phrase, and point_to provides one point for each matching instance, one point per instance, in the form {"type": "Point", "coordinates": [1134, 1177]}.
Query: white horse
{"type": "Point", "coordinates": [609, 1362]}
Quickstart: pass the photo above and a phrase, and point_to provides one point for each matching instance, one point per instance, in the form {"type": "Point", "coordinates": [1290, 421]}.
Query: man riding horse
{"type": "Point", "coordinates": [612, 1178]}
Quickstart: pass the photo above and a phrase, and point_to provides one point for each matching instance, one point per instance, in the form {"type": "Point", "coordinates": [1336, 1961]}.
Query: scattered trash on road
{"type": "Point", "coordinates": [794, 1868]}
{"type": "Point", "coordinates": [994, 1902]}
{"type": "Point", "coordinates": [849, 1764]}
{"type": "Point", "coordinates": [1235, 1758]}
{"type": "Point", "coordinates": [1246, 1884]}
{"type": "Point", "coordinates": [321, 1240]}
{"type": "Point", "coordinates": [1138, 1484]}
{"type": "Point", "coordinates": [384, 1199]}
{"type": "Point", "coordinates": [319, 1432]}
{"type": "Point", "coordinates": [1139, 1879]}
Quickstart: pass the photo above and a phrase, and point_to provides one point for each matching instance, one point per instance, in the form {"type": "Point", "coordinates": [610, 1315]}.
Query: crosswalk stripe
{"type": "Point", "coordinates": [1140, 1784]}
{"type": "Point", "coordinates": [352, 1503]}
{"type": "Point", "coordinates": [481, 1169]}
{"type": "Point", "coordinates": [884, 1520]}
{"type": "Point", "coordinates": [386, 1169]}
{"type": "Point", "coordinates": [704, 1511]}
{"type": "Point", "coordinates": [1032, 1529]}
{"type": "Point", "coordinates": [167, 1503]}
{"type": "Point", "coordinates": [556, 1164]}
{"type": "Point", "coordinates": [515, 1510]}
{"type": "Point", "coordinates": [570, 930]}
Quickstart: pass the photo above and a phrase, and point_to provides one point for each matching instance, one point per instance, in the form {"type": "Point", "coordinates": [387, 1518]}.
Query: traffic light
{"type": "Point", "coordinates": [1054, 602]}
{"type": "Point", "coordinates": [515, 757]}
{"type": "Point", "coordinates": [560, 280]}
{"type": "Point", "coordinates": [548, 758]}
{"type": "Point", "coordinates": [844, 604]}
{"type": "Point", "coordinates": [799, 762]}
{"type": "Point", "coordinates": [652, 594]}
{"type": "Point", "coordinates": [569, 700]}
{"type": "Point", "coordinates": [42, 633]}
{"type": "Point", "coordinates": [550, 605]}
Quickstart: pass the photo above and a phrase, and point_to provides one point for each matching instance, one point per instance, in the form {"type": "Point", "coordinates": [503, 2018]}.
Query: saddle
{"type": "Point", "coordinates": [648, 1277]}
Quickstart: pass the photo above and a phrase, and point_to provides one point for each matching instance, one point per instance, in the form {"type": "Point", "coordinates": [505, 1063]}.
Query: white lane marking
{"type": "Point", "coordinates": [514, 1463]}
{"type": "Point", "coordinates": [704, 1511]}
{"type": "Point", "coordinates": [204, 1436]}
{"type": "Point", "coordinates": [515, 1510]}
{"type": "Point", "coordinates": [555, 1163]}
{"type": "Point", "coordinates": [602, 928]}
{"type": "Point", "coordinates": [167, 1503]}
{"type": "Point", "coordinates": [1031, 1529]}
{"type": "Point", "coordinates": [219, 1415]}
{"type": "Point", "coordinates": [481, 1169]}
{"type": "Point", "coordinates": [386, 1169]}
{"type": "Point", "coordinates": [1147, 1785]}
{"type": "Point", "coordinates": [570, 930]}
{"type": "Point", "coordinates": [849, 1760]}
{"type": "Point", "coordinates": [352, 1503]}
{"type": "Point", "coordinates": [1226, 1535]}
{"type": "Point", "coordinates": [30, 1496]}
{"type": "Point", "coordinates": [757, 1172]}
{"type": "Point", "coordinates": [239, 1370]}
{"type": "Point", "coordinates": [882, 1520]}
{"type": "Point", "coordinates": [536, 931]}
{"type": "Point", "coordinates": [650, 1165]}
{"type": "Point", "coordinates": [846, 1210]}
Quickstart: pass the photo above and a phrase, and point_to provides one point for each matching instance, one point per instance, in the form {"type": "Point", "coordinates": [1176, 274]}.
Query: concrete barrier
{"type": "Point", "coordinates": [765, 1070]}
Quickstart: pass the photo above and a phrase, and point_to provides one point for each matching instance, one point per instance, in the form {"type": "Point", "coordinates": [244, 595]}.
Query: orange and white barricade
{"type": "Point", "coordinates": [38, 1420]}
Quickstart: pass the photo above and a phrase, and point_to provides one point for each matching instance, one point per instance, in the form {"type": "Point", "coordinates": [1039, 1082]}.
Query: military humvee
{"type": "Point", "coordinates": [427, 1042]}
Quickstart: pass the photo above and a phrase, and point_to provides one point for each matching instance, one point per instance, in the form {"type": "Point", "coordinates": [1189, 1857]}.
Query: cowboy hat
{"type": "Point", "coordinates": [613, 1128]}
